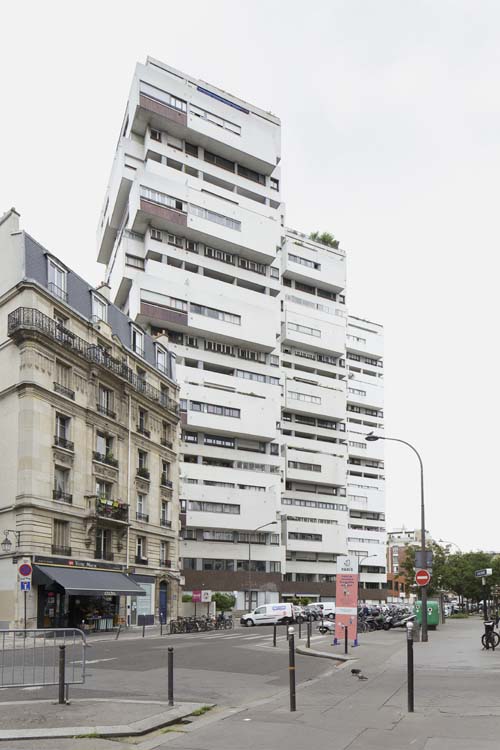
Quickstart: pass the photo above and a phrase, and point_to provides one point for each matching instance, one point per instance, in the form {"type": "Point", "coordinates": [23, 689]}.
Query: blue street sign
{"type": "Point", "coordinates": [25, 585]}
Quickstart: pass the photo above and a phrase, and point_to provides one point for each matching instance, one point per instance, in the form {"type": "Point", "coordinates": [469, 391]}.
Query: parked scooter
{"type": "Point", "coordinates": [398, 621]}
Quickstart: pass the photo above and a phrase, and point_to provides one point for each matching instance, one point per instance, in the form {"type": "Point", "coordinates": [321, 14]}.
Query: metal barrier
{"type": "Point", "coordinates": [31, 658]}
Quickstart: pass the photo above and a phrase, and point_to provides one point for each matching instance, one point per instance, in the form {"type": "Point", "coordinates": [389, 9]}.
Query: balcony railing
{"type": "Point", "coordinates": [106, 411]}
{"type": "Point", "coordinates": [141, 560]}
{"type": "Point", "coordinates": [142, 517]}
{"type": "Point", "coordinates": [165, 482]}
{"type": "Point", "coordinates": [64, 391]}
{"type": "Point", "coordinates": [165, 523]}
{"type": "Point", "coordinates": [65, 497]}
{"type": "Point", "coordinates": [142, 430]}
{"type": "Point", "coordinates": [100, 554]}
{"type": "Point", "coordinates": [58, 292]}
{"type": "Point", "coordinates": [165, 563]}
{"type": "Point", "coordinates": [166, 443]}
{"type": "Point", "coordinates": [142, 472]}
{"type": "Point", "coordinates": [63, 443]}
{"type": "Point", "coordinates": [57, 550]}
{"type": "Point", "coordinates": [106, 458]}
{"type": "Point", "coordinates": [30, 319]}
{"type": "Point", "coordinates": [114, 510]}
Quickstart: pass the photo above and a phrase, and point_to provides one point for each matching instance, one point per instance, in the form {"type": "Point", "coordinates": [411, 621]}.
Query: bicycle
{"type": "Point", "coordinates": [489, 637]}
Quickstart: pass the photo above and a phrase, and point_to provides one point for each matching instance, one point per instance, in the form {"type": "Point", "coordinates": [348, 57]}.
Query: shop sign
{"type": "Point", "coordinates": [206, 596]}
{"type": "Point", "coordinates": [196, 596]}
{"type": "Point", "coordinates": [346, 599]}
{"type": "Point", "coordinates": [89, 564]}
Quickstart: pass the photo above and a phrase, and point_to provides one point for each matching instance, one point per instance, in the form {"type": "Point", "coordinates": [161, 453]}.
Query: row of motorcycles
{"type": "Point", "coordinates": [375, 618]}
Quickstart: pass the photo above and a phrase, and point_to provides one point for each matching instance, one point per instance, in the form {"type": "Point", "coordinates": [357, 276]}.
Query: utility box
{"type": "Point", "coordinates": [432, 614]}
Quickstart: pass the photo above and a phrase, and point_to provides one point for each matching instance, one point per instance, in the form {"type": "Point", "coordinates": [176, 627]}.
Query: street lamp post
{"type": "Point", "coordinates": [370, 438]}
{"type": "Point", "coordinates": [271, 523]}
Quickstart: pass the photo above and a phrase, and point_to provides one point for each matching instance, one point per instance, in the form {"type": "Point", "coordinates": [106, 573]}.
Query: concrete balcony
{"type": "Point", "coordinates": [321, 268]}
{"type": "Point", "coordinates": [364, 342]}
{"type": "Point", "coordinates": [317, 468]}
{"type": "Point", "coordinates": [364, 393]}
{"type": "Point", "coordinates": [305, 398]}
{"type": "Point", "coordinates": [312, 331]}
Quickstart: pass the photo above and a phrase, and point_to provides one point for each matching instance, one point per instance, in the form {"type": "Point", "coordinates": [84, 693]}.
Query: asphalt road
{"type": "Point", "coordinates": [230, 668]}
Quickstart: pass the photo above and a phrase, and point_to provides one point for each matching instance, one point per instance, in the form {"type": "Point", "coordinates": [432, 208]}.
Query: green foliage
{"type": "Point", "coordinates": [455, 572]}
{"type": "Point", "coordinates": [325, 238]}
{"type": "Point", "coordinates": [202, 710]}
{"type": "Point", "coordinates": [223, 602]}
{"type": "Point", "coordinates": [187, 598]}
{"type": "Point", "coordinates": [301, 601]}
{"type": "Point", "coordinates": [458, 616]}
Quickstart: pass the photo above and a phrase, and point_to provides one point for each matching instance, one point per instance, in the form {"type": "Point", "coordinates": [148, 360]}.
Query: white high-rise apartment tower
{"type": "Point", "coordinates": [192, 233]}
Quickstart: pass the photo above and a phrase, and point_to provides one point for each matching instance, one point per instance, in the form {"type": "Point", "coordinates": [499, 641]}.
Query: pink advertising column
{"type": "Point", "coordinates": [346, 600]}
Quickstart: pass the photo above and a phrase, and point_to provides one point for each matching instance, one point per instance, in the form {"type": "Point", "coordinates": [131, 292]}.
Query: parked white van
{"type": "Point", "coordinates": [270, 614]}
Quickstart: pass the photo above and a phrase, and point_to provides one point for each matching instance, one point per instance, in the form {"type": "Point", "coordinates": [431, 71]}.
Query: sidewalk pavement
{"type": "Point", "coordinates": [456, 704]}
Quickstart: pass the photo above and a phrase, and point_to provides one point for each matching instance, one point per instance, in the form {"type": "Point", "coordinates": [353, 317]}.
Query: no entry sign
{"type": "Point", "coordinates": [422, 577]}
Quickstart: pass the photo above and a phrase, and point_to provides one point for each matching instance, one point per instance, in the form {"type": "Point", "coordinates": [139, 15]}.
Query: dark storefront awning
{"type": "Point", "coordinates": [89, 582]}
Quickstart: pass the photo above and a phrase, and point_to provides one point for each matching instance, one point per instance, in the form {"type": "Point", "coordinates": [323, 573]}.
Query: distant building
{"type": "Point", "coordinates": [398, 542]}
{"type": "Point", "coordinates": [88, 449]}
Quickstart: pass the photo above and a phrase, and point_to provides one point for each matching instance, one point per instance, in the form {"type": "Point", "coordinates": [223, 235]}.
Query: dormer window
{"type": "Point", "coordinates": [161, 359]}
{"type": "Point", "coordinates": [99, 308]}
{"type": "Point", "coordinates": [56, 275]}
{"type": "Point", "coordinates": [137, 341]}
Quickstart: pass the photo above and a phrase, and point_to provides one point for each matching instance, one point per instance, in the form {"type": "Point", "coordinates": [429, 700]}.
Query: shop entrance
{"type": "Point", "coordinates": [163, 601]}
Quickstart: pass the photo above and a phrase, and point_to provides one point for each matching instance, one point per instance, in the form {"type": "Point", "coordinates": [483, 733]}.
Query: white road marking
{"type": "Point", "coordinates": [94, 661]}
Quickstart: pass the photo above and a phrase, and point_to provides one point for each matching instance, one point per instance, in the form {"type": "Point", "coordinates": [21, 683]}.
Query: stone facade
{"type": "Point", "coordinates": [89, 440]}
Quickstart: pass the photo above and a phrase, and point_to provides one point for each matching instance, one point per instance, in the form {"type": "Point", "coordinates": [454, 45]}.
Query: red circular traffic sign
{"type": "Point", "coordinates": [25, 570]}
{"type": "Point", "coordinates": [422, 577]}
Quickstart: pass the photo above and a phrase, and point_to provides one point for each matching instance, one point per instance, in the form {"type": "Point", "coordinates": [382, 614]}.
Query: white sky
{"type": "Point", "coordinates": [391, 122]}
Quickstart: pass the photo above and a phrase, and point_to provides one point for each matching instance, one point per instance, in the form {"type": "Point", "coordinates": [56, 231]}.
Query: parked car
{"type": "Point", "coordinates": [327, 610]}
{"type": "Point", "coordinates": [271, 614]}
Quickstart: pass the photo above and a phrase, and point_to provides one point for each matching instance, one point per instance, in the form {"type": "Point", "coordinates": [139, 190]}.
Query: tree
{"type": "Point", "coordinates": [223, 602]}
{"type": "Point", "coordinates": [439, 562]}
{"type": "Point", "coordinates": [325, 238]}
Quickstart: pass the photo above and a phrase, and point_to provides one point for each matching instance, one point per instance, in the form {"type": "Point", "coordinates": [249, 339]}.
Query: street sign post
{"type": "Point", "coordinates": [423, 561]}
{"type": "Point", "coordinates": [25, 585]}
{"type": "Point", "coordinates": [483, 572]}
{"type": "Point", "coordinates": [422, 577]}
{"type": "Point", "coordinates": [25, 572]}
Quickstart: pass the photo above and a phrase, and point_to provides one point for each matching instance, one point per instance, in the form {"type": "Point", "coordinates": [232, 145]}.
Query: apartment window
{"type": "Point", "coordinates": [61, 484]}
{"type": "Point", "coordinates": [306, 397]}
{"type": "Point", "coordinates": [190, 437]}
{"type": "Point", "coordinates": [207, 507]}
{"type": "Point", "coordinates": [205, 213]}
{"type": "Point", "coordinates": [103, 544]}
{"type": "Point", "coordinates": [141, 547]}
{"type": "Point", "coordinates": [219, 440]}
{"type": "Point", "coordinates": [142, 459]}
{"type": "Point", "coordinates": [304, 466]}
{"type": "Point", "coordinates": [155, 135]}
{"type": "Point", "coordinates": [162, 96]}
{"type": "Point", "coordinates": [162, 359]}
{"type": "Point", "coordinates": [356, 391]}
{"type": "Point", "coordinates": [134, 261]}
{"type": "Point", "coordinates": [104, 445]}
{"type": "Point", "coordinates": [251, 265]}
{"type": "Point", "coordinates": [103, 489]}
{"type": "Point", "coordinates": [63, 431]}
{"type": "Point", "coordinates": [217, 346]}
{"type": "Point", "coordinates": [164, 514]}
{"type": "Point", "coordinates": [274, 184]}
{"type": "Point", "coordinates": [154, 196]}
{"type": "Point", "coordinates": [57, 277]}
{"type": "Point", "coordinates": [61, 538]}
{"type": "Point", "coordinates": [219, 161]}
{"type": "Point", "coordinates": [249, 174]}
{"type": "Point", "coordinates": [137, 341]}
{"type": "Point", "coordinates": [274, 272]}
{"type": "Point", "coordinates": [141, 508]}
{"type": "Point", "coordinates": [252, 356]}
{"type": "Point", "coordinates": [62, 383]}
{"type": "Point", "coordinates": [189, 563]}
{"type": "Point", "coordinates": [165, 473]}
{"type": "Point", "coordinates": [305, 537]}
{"type": "Point", "coordinates": [304, 262]}
{"type": "Point", "coordinates": [211, 312]}
{"type": "Point", "coordinates": [99, 308]}
{"type": "Point", "coordinates": [211, 252]}
{"type": "Point", "coordinates": [163, 553]}
{"type": "Point", "coordinates": [191, 149]}
{"type": "Point", "coordinates": [307, 330]}
{"type": "Point", "coordinates": [105, 401]}
{"type": "Point", "coordinates": [209, 535]}
{"type": "Point", "coordinates": [221, 411]}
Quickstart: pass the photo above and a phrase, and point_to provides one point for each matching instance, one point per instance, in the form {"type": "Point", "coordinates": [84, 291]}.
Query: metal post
{"type": "Point", "coordinates": [62, 672]}
{"type": "Point", "coordinates": [118, 632]}
{"type": "Point", "coordinates": [291, 668]}
{"type": "Point", "coordinates": [300, 629]}
{"type": "Point", "coordinates": [143, 628]}
{"type": "Point", "coordinates": [409, 643]}
{"type": "Point", "coordinates": [485, 605]}
{"type": "Point", "coordinates": [309, 627]}
{"type": "Point", "coordinates": [274, 635]}
{"type": "Point", "coordinates": [346, 640]}
{"type": "Point", "coordinates": [161, 625]}
{"type": "Point", "coordinates": [25, 593]}
{"type": "Point", "coordinates": [170, 676]}
{"type": "Point", "coordinates": [441, 603]}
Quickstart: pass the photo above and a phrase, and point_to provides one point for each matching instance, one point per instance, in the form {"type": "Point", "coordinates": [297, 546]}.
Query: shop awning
{"type": "Point", "coordinates": [88, 582]}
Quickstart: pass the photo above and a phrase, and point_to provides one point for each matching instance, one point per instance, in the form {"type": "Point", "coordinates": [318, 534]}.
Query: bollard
{"type": "Point", "coordinates": [291, 667]}
{"type": "Point", "coordinates": [300, 629]}
{"type": "Point", "coordinates": [274, 635]}
{"type": "Point", "coordinates": [170, 676]}
{"type": "Point", "coordinates": [62, 673]}
{"type": "Point", "coordinates": [309, 628]}
{"type": "Point", "coordinates": [161, 625]}
{"type": "Point", "coordinates": [118, 632]}
{"type": "Point", "coordinates": [346, 640]}
{"type": "Point", "coordinates": [409, 643]}
{"type": "Point", "coordinates": [143, 628]}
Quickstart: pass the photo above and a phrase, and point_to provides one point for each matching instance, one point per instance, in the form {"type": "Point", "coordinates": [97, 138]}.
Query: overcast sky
{"type": "Point", "coordinates": [391, 129]}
